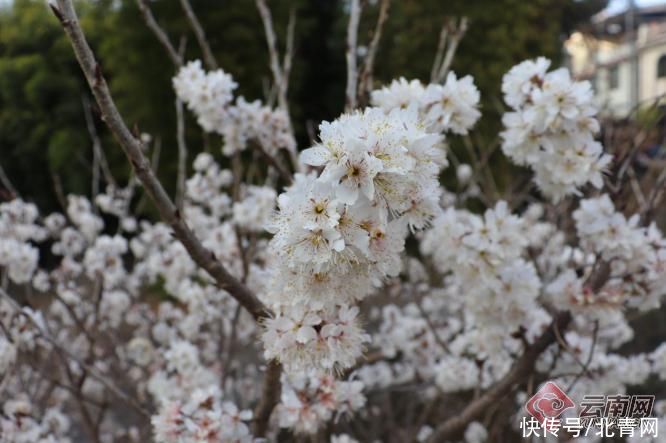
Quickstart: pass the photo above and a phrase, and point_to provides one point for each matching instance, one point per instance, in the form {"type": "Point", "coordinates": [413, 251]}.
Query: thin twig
{"type": "Point", "coordinates": [182, 154]}
{"type": "Point", "coordinates": [273, 55]}
{"type": "Point", "coordinates": [161, 35]}
{"type": "Point", "coordinates": [365, 82]}
{"type": "Point", "coordinates": [636, 188]}
{"type": "Point", "coordinates": [199, 33]}
{"type": "Point", "coordinates": [57, 188]}
{"type": "Point", "coordinates": [457, 33]}
{"type": "Point", "coordinates": [282, 71]}
{"type": "Point", "coordinates": [369, 359]}
{"type": "Point", "coordinates": [98, 152]}
{"type": "Point", "coordinates": [275, 162]}
{"type": "Point", "coordinates": [586, 366]}
{"type": "Point", "coordinates": [289, 51]}
{"type": "Point", "coordinates": [439, 55]}
{"type": "Point", "coordinates": [4, 179]}
{"type": "Point", "coordinates": [431, 326]}
{"type": "Point", "coordinates": [352, 40]}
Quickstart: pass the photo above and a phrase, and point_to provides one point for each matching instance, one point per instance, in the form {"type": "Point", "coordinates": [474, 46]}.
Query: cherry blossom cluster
{"type": "Point", "coordinates": [551, 128]}
{"type": "Point", "coordinates": [338, 234]}
{"type": "Point", "coordinates": [207, 94]}
{"type": "Point", "coordinates": [308, 401]}
{"type": "Point", "coordinates": [17, 231]}
{"type": "Point", "coordinates": [486, 256]}
{"type": "Point", "coordinates": [202, 418]}
{"type": "Point", "coordinates": [635, 256]}
{"type": "Point", "coordinates": [20, 424]}
{"type": "Point", "coordinates": [452, 107]}
{"type": "Point", "coordinates": [210, 95]}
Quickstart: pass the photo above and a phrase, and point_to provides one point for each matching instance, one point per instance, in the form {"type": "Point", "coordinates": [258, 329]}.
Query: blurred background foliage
{"type": "Point", "coordinates": [43, 134]}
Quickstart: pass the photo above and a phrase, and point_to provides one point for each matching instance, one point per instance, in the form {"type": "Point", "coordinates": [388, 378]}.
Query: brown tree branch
{"type": "Point", "coordinates": [131, 146]}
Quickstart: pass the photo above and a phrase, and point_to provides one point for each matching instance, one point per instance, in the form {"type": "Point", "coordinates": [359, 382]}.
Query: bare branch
{"type": "Point", "coordinates": [4, 179]}
{"type": "Point", "coordinates": [457, 33]}
{"type": "Point", "coordinates": [289, 51]}
{"type": "Point", "coordinates": [365, 82]}
{"type": "Point", "coordinates": [199, 33]}
{"type": "Point", "coordinates": [182, 145]}
{"type": "Point", "coordinates": [98, 152]}
{"type": "Point", "coordinates": [57, 189]}
{"type": "Point", "coordinates": [352, 41]}
{"type": "Point", "coordinates": [177, 60]}
{"type": "Point", "coordinates": [280, 72]}
{"type": "Point", "coordinates": [431, 326]}
{"type": "Point", "coordinates": [275, 162]}
{"type": "Point", "coordinates": [132, 148]}
{"type": "Point", "coordinates": [182, 154]}
{"type": "Point", "coordinates": [161, 35]}
{"type": "Point", "coordinates": [271, 41]}
{"type": "Point", "coordinates": [439, 55]}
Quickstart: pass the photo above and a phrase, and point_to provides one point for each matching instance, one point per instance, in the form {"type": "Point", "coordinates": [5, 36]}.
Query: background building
{"type": "Point", "coordinates": [624, 56]}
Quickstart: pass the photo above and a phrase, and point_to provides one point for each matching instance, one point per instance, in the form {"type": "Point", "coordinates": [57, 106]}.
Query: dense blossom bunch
{"type": "Point", "coordinates": [339, 234]}
{"type": "Point", "coordinates": [17, 229]}
{"type": "Point", "coordinates": [209, 95]}
{"type": "Point", "coordinates": [309, 401]}
{"type": "Point", "coordinates": [635, 256]}
{"type": "Point", "coordinates": [19, 424]}
{"type": "Point", "coordinates": [170, 354]}
{"type": "Point", "coordinates": [551, 128]}
{"type": "Point", "coordinates": [452, 107]}
{"type": "Point", "coordinates": [487, 257]}
{"type": "Point", "coordinates": [202, 418]}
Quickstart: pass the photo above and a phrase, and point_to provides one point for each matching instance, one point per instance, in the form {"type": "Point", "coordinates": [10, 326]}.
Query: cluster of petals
{"type": "Point", "coordinates": [340, 233]}
{"type": "Point", "coordinates": [487, 258]}
{"type": "Point", "coordinates": [210, 95]}
{"type": "Point", "coordinates": [310, 400]}
{"type": "Point", "coordinates": [451, 107]}
{"type": "Point", "coordinates": [635, 256]}
{"type": "Point", "coordinates": [551, 128]}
